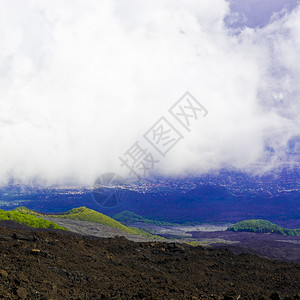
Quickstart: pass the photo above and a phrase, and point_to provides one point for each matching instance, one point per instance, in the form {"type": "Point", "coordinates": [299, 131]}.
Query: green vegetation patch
{"type": "Point", "coordinates": [129, 217]}
{"type": "Point", "coordinates": [262, 226]}
{"type": "Point", "coordinates": [27, 219]}
{"type": "Point", "coordinates": [86, 214]}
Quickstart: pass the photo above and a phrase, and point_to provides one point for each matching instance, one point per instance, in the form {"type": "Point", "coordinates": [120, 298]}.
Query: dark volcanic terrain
{"type": "Point", "coordinates": [274, 246]}
{"type": "Point", "coordinates": [43, 264]}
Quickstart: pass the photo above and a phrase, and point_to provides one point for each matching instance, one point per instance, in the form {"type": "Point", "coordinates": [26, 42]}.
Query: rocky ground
{"type": "Point", "coordinates": [42, 264]}
{"type": "Point", "coordinates": [274, 246]}
{"type": "Point", "coordinates": [96, 229]}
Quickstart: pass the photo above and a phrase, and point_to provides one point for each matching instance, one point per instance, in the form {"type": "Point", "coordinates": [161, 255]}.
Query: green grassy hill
{"type": "Point", "coordinates": [262, 226]}
{"type": "Point", "coordinates": [86, 214]}
{"type": "Point", "coordinates": [26, 219]}
{"type": "Point", "coordinates": [129, 217]}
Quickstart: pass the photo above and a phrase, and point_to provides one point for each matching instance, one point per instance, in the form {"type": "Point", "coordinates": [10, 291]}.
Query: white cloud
{"type": "Point", "coordinates": [80, 81]}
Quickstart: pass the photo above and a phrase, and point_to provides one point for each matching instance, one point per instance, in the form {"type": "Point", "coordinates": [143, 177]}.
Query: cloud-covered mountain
{"type": "Point", "coordinates": [81, 82]}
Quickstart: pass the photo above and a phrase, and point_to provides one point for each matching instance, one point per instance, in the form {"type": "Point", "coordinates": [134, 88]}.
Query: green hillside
{"type": "Point", "coordinates": [26, 219]}
{"type": "Point", "coordinates": [129, 217]}
{"type": "Point", "coordinates": [86, 214]}
{"type": "Point", "coordinates": [262, 226]}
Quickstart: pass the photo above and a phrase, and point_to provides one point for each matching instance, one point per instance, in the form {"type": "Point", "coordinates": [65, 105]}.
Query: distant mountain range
{"type": "Point", "coordinates": [224, 197]}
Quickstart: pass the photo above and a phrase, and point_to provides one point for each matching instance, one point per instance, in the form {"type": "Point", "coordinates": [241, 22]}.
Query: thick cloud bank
{"type": "Point", "coordinates": [82, 80]}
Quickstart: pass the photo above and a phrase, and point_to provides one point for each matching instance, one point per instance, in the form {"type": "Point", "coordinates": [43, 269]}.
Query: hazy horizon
{"type": "Point", "coordinates": [80, 83]}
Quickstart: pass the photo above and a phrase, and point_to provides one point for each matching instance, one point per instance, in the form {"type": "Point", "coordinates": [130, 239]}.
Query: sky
{"type": "Point", "coordinates": [82, 81]}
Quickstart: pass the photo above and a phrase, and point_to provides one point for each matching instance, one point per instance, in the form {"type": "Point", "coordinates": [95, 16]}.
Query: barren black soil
{"type": "Point", "coordinates": [274, 246]}
{"type": "Point", "coordinates": [52, 265]}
